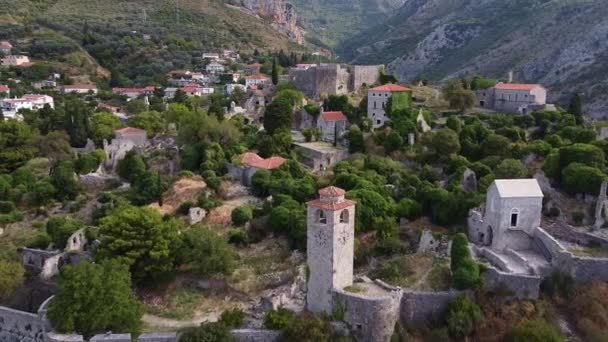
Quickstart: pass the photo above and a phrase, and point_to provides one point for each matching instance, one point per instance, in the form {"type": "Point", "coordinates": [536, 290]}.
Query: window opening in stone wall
{"type": "Point", "coordinates": [514, 218]}
{"type": "Point", "coordinates": [344, 216]}
{"type": "Point", "coordinates": [321, 216]}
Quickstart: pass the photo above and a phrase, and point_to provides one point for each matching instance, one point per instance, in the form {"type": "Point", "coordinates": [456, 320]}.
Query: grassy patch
{"type": "Point", "coordinates": [179, 304]}
{"type": "Point", "coordinates": [355, 288]}
{"type": "Point", "coordinates": [418, 271]}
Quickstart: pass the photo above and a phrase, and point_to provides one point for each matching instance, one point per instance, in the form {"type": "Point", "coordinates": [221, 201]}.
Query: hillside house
{"type": "Point", "coordinates": [199, 77]}
{"type": "Point", "coordinates": [332, 125]}
{"type": "Point", "coordinates": [513, 98]}
{"type": "Point", "coordinates": [229, 54]}
{"type": "Point", "coordinates": [125, 140]}
{"type": "Point", "coordinates": [229, 88]}
{"type": "Point", "coordinates": [377, 99]}
{"type": "Point", "coordinates": [10, 107]}
{"type": "Point", "coordinates": [16, 60]}
{"type": "Point", "coordinates": [214, 68]}
{"type": "Point", "coordinates": [319, 156]}
{"type": "Point", "coordinates": [133, 93]}
{"type": "Point", "coordinates": [44, 84]}
{"type": "Point", "coordinates": [250, 163]}
{"type": "Point", "coordinates": [257, 80]}
{"type": "Point", "coordinates": [252, 69]}
{"type": "Point", "coordinates": [211, 55]}
{"type": "Point", "coordinates": [82, 89]}
{"type": "Point", "coordinates": [5, 47]}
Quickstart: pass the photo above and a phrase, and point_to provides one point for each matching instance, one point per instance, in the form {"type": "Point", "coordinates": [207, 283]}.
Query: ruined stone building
{"type": "Point", "coordinates": [333, 79]}
{"type": "Point", "coordinates": [519, 253]}
{"type": "Point", "coordinates": [514, 98]}
{"type": "Point", "coordinates": [125, 140]}
{"type": "Point", "coordinates": [319, 155]}
{"type": "Point", "coordinates": [377, 99]}
{"type": "Point", "coordinates": [249, 163]}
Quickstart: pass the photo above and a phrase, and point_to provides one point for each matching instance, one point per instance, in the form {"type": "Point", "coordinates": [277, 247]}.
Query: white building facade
{"type": "Point", "coordinates": [377, 99]}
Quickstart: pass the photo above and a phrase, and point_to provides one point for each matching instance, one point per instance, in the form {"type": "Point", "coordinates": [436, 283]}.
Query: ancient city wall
{"type": "Point", "coordinates": [418, 309]}
{"type": "Point", "coordinates": [519, 285]}
{"type": "Point", "coordinates": [371, 318]}
{"type": "Point", "coordinates": [20, 326]}
{"type": "Point", "coordinates": [364, 74]}
{"type": "Point", "coordinates": [254, 335]}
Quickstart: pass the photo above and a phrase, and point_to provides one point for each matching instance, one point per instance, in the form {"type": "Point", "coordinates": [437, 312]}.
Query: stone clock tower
{"type": "Point", "coordinates": [330, 247]}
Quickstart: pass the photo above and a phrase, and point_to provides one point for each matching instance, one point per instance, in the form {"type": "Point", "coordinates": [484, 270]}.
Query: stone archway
{"type": "Point", "coordinates": [489, 236]}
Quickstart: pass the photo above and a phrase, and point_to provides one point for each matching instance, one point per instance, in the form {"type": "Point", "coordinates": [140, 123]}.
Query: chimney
{"type": "Point", "coordinates": [510, 76]}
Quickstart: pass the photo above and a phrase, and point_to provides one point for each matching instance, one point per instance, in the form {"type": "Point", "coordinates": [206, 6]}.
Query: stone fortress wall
{"type": "Point", "coordinates": [326, 79]}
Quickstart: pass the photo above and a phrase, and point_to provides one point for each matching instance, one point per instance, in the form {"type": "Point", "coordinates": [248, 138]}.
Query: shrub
{"type": "Point", "coordinates": [39, 241]}
{"type": "Point", "coordinates": [558, 284]}
{"type": "Point", "coordinates": [6, 207]}
{"type": "Point", "coordinates": [61, 228]}
{"type": "Point", "coordinates": [535, 331]}
{"type": "Point", "coordinates": [242, 215]}
{"type": "Point", "coordinates": [207, 332]}
{"type": "Point", "coordinates": [465, 271]}
{"type": "Point", "coordinates": [184, 208]}
{"type": "Point", "coordinates": [309, 328]}
{"type": "Point", "coordinates": [463, 315]}
{"type": "Point", "coordinates": [238, 237]}
{"type": "Point", "coordinates": [578, 217]}
{"type": "Point", "coordinates": [278, 319]}
{"type": "Point", "coordinates": [579, 178]}
{"type": "Point", "coordinates": [232, 318]}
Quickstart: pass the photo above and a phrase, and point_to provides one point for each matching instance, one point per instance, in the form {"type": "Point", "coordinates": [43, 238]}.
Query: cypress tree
{"type": "Point", "coordinates": [275, 72]}
{"type": "Point", "coordinates": [576, 107]}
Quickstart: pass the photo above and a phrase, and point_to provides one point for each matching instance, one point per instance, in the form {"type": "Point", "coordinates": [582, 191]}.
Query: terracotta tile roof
{"type": "Point", "coordinates": [331, 206]}
{"type": "Point", "coordinates": [516, 86]}
{"type": "Point", "coordinates": [332, 191]}
{"type": "Point", "coordinates": [252, 159]}
{"type": "Point", "coordinates": [4, 87]}
{"type": "Point", "coordinates": [254, 65]}
{"type": "Point", "coordinates": [391, 87]}
{"type": "Point", "coordinates": [6, 46]}
{"type": "Point", "coordinates": [109, 107]}
{"type": "Point", "coordinates": [130, 130]}
{"type": "Point", "coordinates": [334, 116]}
{"type": "Point", "coordinates": [257, 77]}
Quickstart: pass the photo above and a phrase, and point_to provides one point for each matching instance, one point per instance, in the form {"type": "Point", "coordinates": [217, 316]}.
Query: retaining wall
{"type": "Point", "coordinates": [254, 335]}
{"type": "Point", "coordinates": [20, 326]}
{"type": "Point", "coordinates": [419, 309]}
{"type": "Point", "coordinates": [520, 285]}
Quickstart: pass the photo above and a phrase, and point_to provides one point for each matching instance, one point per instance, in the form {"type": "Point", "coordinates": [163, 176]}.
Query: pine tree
{"type": "Point", "coordinates": [576, 107]}
{"type": "Point", "coordinates": [275, 72]}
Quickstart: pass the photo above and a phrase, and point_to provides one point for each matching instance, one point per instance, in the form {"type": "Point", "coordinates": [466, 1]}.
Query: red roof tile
{"type": "Point", "coordinates": [391, 87]}
{"type": "Point", "coordinates": [516, 86]}
{"type": "Point", "coordinates": [4, 87]}
{"type": "Point", "coordinates": [334, 116]}
{"type": "Point", "coordinates": [257, 77]}
{"type": "Point", "coordinates": [331, 206]}
{"type": "Point", "coordinates": [252, 159]}
{"type": "Point", "coordinates": [332, 191]}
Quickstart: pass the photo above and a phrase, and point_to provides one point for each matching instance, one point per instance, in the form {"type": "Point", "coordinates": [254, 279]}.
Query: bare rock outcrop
{"type": "Point", "coordinates": [280, 14]}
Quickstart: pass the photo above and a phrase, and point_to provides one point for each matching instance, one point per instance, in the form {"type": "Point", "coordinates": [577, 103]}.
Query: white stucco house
{"type": "Point", "coordinates": [513, 98]}
{"type": "Point", "coordinates": [377, 99]}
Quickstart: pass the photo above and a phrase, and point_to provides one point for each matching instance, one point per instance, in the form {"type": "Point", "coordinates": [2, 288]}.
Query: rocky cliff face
{"type": "Point", "coordinates": [561, 44]}
{"type": "Point", "coordinates": [279, 13]}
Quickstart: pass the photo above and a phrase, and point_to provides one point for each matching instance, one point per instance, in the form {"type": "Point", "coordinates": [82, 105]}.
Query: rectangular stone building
{"type": "Point", "coordinates": [513, 98]}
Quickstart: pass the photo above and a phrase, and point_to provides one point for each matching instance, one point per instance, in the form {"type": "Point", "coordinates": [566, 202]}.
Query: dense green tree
{"type": "Point", "coordinates": [207, 253]}
{"type": "Point", "coordinates": [454, 123]}
{"type": "Point", "coordinates": [356, 141]}
{"type": "Point", "coordinates": [511, 169]}
{"type": "Point", "coordinates": [131, 167]}
{"type": "Point", "coordinates": [12, 275]}
{"type": "Point", "coordinates": [89, 162]}
{"type": "Point", "coordinates": [589, 155]}
{"type": "Point", "coordinates": [152, 122]}
{"type": "Point", "coordinates": [465, 271]}
{"type": "Point", "coordinates": [576, 107]}
{"type": "Point", "coordinates": [15, 145]}
{"type": "Point", "coordinates": [445, 142]}
{"type": "Point", "coordinates": [278, 143]}
{"type": "Point", "coordinates": [139, 237]}
{"type": "Point", "coordinates": [147, 188]}
{"type": "Point", "coordinates": [534, 331]}
{"type": "Point", "coordinates": [278, 115]}
{"type": "Point", "coordinates": [207, 332]}
{"type": "Point", "coordinates": [580, 178]}
{"type": "Point", "coordinates": [77, 115]}
{"type": "Point", "coordinates": [392, 142]}
{"type": "Point", "coordinates": [458, 97]}
{"type": "Point", "coordinates": [340, 103]}
{"type": "Point", "coordinates": [289, 219]}
{"type": "Point", "coordinates": [496, 145]}
{"type": "Point", "coordinates": [55, 146]}
{"type": "Point", "coordinates": [275, 72]}
{"type": "Point", "coordinates": [463, 316]}
{"type": "Point", "coordinates": [370, 204]}
{"type": "Point", "coordinates": [95, 298]}
{"type": "Point", "coordinates": [103, 126]}
{"type": "Point", "coordinates": [242, 215]}
{"type": "Point", "coordinates": [60, 228]}
{"type": "Point", "coordinates": [294, 96]}
{"type": "Point", "coordinates": [63, 178]}
{"type": "Point", "coordinates": [136, 106]}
